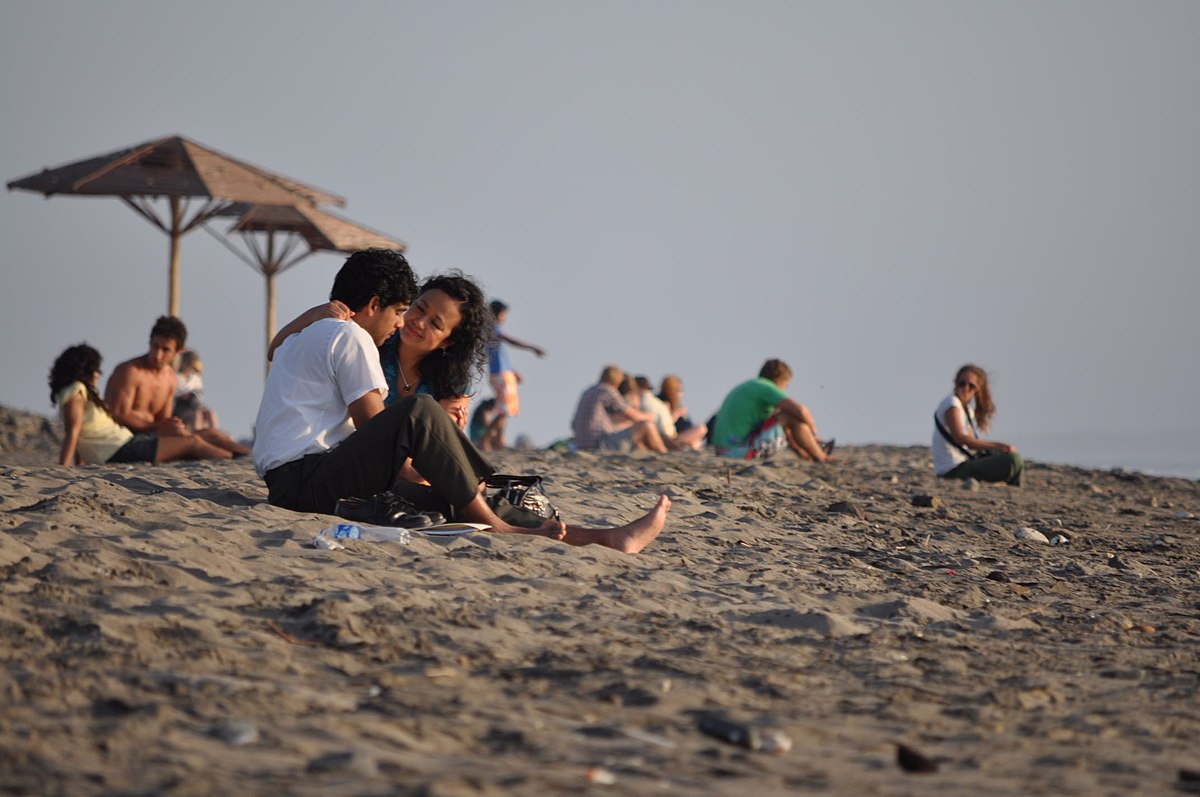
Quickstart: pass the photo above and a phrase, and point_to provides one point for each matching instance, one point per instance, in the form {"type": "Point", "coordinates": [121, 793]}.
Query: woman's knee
{"type": "Point", "coordinates": [417, 404]}
{"type": "Point", "coordinates": [420, 409]}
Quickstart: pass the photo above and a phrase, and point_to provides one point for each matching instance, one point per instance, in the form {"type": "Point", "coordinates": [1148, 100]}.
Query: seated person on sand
{"type": "Point", "coordinates": [481, 421]}
{"type": "Point", "coordinates": [664, 421]}
{"type": "Point", "coordinates": [757, 419]}
{"type": "Point", "coordinates": [671, 394]}
{"type": "Point", "coordinates": [955, 443]}
{"type": "Point", "coordinates": [91, 436]}
{"type": "Point", "coordinates": [189, 394]}
{"type": "Point", "coordinates": [325, 434]}
{"type": "Point", "coordinates": [603, 421]}
{"type": "Point", "coordinates": [140, 393]}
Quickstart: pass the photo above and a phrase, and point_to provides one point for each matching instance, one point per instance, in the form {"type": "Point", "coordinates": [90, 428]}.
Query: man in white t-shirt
{"type": "Point", "coordinates": [323, 433]}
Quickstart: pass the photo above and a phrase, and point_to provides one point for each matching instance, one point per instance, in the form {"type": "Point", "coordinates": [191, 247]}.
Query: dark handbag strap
{"type": "Point", "coordinates": [507, 480]}
{"type": "Point", "coordinates": [938, 422]}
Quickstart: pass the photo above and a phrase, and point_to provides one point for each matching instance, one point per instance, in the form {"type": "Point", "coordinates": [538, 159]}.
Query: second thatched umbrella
{"type": "Point", "coordinates": [275, 237]}
{"type": "Point", "coordinates": [178, 170]}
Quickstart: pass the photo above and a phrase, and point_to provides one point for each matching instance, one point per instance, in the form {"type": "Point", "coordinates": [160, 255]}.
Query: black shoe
{"type": "Point", "coordinates": [386, 509]}
{"type": "Point", "coordinates": [827, 446]}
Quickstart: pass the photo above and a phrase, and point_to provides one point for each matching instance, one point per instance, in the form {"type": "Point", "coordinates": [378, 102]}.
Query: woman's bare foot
{"type": "Point", "coordinates": [630, 538]}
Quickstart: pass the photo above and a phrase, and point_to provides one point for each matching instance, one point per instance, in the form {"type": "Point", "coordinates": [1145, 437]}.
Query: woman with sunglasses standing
{"type": "Point", "coordinates": [958, 453]}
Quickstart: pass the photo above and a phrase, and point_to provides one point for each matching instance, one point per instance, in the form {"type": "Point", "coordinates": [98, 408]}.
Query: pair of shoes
{"type": "Point", "coordinates": [386, 509]}
{"type": "Point", "coordinates": [827, 446]}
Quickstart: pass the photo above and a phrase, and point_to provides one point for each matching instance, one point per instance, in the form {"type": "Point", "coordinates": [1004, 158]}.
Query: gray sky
{"type": "Point", "coordinates": [875, 192]}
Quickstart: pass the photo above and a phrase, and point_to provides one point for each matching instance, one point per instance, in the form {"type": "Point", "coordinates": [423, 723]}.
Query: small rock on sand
{"type": "Point", "coordinates": [847, 508]}
{"type": "Point", "coordinates": [1026, 534]}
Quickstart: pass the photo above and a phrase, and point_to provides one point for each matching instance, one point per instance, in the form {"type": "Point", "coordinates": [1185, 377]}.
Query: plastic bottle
{"type": "Point", "coordinates": [357, 531]}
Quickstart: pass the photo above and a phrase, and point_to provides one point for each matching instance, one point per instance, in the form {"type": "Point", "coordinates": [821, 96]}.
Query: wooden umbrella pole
{"type": "Point", "coordinates": [269, 267]}
{"type": "Point", "coordinates": [175, 234]}
{"type": "Point", "coordinates": [270, 315]}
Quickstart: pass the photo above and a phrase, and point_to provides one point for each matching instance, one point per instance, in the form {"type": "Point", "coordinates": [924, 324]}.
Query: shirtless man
{"type": "Point", "coordinates": [141, 392]}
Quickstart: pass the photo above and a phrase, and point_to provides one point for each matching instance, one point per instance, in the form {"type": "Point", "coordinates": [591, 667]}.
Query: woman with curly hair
{"type": "Point", "coordinates": [442, 348]}
{"type": "Point", "coordinates": [91, 436]}
{"type": "Point", "coordinates": [955, 440]}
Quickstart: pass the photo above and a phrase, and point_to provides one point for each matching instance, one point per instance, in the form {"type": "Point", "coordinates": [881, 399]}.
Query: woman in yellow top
{"type": "Point", "coordinates": [91, 436]}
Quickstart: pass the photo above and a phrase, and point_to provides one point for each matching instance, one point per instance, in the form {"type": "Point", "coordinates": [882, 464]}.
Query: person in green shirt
{"type": "Point", "coordinates": [757, 419]}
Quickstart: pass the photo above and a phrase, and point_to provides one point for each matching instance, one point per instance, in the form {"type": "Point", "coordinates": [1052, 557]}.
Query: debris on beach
{"type": "Point", "coordinates": [236, 732]}
{"type": "Point", "coordinates": [847, 508]}
{"type": "Point", "coordinates": [1027, 534]}
{"type": "Point", "coordinates": [742, 735]}
{"type": "Point", "coordinates": [912, 760]}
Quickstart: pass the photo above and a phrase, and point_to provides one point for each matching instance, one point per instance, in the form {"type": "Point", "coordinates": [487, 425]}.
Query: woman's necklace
{"type": "Point", "coordinates": [407, 387]}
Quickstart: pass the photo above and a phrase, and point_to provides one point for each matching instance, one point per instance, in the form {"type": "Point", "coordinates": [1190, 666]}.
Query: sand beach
{"type": "Point", "coordinates": [165, 631]}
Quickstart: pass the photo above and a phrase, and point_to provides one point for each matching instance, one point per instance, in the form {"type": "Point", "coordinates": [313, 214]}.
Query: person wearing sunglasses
{"type": "Point", "coordinates": [958, 452]}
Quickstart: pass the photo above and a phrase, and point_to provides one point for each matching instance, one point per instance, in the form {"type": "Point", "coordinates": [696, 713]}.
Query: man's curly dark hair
{"type": "Point", "coordinates": [76, 364]}
{"type": "Point", "coordinates": [374, 272]}
{"type": "Point", "coordinates": [452, 371]}
{"type": "Point", "coordinates": [170, 327]}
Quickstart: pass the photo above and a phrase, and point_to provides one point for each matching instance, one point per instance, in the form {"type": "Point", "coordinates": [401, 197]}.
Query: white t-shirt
{"type": "Point", "coordinates": [947, 456]}
{"type": "Point", "coordinates": [662, 413]}
{"type": "Point", "coordinates": [316, 376]}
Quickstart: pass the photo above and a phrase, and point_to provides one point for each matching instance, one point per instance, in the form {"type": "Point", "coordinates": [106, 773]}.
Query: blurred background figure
{"type": "Point", "coordinates": [685, 434]}
{"type": "Point", "coordinates": [189, 394]}
{"type": "Point", "coordinates": [91, 436]}
{"type": "Point", "coordinates": [604, 421]}
{"type": "Point", "coordinates": [958, 452]}
{"type": "Point", "coordinates": [679, 431]}
{"type": "Point", "coordinates": [481, 421]}
{"type": "Point", "coordinates": [503, 378]}
{"type": "Point", "coordinates": [757, 419]}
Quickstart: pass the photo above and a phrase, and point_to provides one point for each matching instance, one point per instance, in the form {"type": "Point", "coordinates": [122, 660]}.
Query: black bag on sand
{"type": "Point", "coordinates": [519, 500]}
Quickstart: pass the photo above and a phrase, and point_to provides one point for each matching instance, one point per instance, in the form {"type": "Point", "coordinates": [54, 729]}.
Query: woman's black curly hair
{"type": "Point", "coordinates": [452, 371]}
{"type": "Point", "coordinates": [76, 364]}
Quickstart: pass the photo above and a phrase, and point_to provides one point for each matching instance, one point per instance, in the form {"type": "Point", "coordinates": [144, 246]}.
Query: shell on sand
{"type": "Point", "coordinates": [166, 631]}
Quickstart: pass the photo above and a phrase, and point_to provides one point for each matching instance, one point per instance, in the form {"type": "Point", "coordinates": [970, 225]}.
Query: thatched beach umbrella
{"type": "Point", "coordinates": [178, 170]}
{"type": "Point", "coordinates": [275, 236]}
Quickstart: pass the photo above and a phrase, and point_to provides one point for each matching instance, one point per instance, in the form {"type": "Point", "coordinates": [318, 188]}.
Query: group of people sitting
{"type": "Point", "coordinates": [622, 412]}
{"type": "Point", "coordinates": [758, 418]}
{"type": "Point", "coordinates": [135, 421]}
{"type": "Point", "coordinates": [369, 393]}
